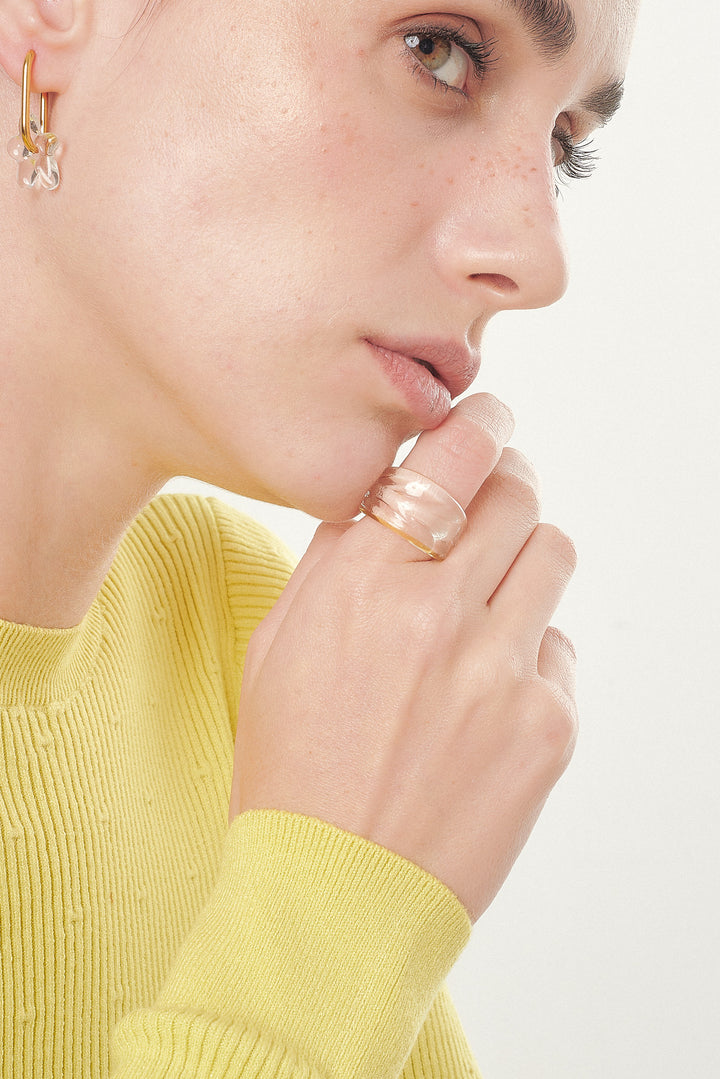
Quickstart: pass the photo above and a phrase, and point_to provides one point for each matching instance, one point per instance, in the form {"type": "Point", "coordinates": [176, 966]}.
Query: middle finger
{"type": "Point", "coordinates": [501, 518]}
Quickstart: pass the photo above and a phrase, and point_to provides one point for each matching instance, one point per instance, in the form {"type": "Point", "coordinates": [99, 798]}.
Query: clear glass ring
{"type": "Point", "coordinates": [419, 510]}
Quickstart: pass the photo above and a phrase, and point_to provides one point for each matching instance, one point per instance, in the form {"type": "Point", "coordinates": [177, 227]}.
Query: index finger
{"type": "Point", "coordinates": [458, 455]}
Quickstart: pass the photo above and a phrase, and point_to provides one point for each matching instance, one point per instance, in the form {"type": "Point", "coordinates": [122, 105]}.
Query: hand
{"type": "Point", "coordinates": [423, 705]}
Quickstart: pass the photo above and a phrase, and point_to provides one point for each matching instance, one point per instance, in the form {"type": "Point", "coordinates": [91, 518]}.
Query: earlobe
{"type": "Point", "coordinates": [55, 30]}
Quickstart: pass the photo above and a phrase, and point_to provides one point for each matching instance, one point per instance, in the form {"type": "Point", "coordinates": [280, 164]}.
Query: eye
{"type": "Point", "coordinates": [447, 55]}
{"type": "Point", "coordinates": [442, 57]}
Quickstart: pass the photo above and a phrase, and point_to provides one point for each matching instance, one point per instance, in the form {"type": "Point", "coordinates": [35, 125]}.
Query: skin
{"type": "Point", "coordinates": [303, 185]}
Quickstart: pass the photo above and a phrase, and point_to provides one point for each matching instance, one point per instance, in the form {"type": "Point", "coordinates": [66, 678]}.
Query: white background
{"type": "Point", "coordinates": [601, 955]}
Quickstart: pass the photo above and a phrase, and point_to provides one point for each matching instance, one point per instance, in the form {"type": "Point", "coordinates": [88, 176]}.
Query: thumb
{"type": "Point", "coordinates": [325, 538]}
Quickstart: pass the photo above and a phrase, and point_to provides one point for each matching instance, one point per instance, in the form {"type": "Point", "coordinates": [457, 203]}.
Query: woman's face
{"type": "Point", "coordinates": [273, 209]}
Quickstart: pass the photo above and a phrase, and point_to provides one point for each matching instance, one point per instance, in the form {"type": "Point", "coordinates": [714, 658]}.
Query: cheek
{"type": "Point", "coordinates": [332, 159]}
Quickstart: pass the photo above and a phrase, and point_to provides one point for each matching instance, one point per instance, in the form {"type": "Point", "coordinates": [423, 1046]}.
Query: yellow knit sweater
{"type": "Point", "coordinates": [139, 937]}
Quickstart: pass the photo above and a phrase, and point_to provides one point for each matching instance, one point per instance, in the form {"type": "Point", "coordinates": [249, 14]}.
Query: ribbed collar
{"type": "Point", "coordinates": [45, 666]}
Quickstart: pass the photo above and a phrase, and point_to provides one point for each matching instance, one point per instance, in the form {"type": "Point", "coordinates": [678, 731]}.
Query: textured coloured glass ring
{"type": "Point", "coordinates": [417, 509]}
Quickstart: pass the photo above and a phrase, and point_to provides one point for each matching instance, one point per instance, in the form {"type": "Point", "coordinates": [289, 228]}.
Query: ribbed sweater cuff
{"type": "Point", "coordinates": [320, 953]}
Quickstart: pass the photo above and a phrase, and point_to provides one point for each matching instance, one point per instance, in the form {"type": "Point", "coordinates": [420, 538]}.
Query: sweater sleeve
{"type": "Point", "coordinates": [319, 954]}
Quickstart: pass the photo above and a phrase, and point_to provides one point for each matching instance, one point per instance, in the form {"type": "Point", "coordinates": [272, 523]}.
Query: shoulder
{"type": "Point", "coordinates": [248, 545]}
{"type": "Point", "coordinates": [206, 526]}
{"type": "Point", "coordinates": [208, 547]}
{"type": "Point", "coordinates": [204, 569]}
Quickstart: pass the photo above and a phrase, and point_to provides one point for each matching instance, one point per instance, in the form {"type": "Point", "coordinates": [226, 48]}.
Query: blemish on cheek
{"type": "Point", "coordinates": [451, 179]}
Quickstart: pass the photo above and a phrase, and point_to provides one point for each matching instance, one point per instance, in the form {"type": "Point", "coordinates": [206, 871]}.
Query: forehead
{"type": "Point", "coordinates": [598, 30]}
{"type": "Point", "coordinates": [604, 29]}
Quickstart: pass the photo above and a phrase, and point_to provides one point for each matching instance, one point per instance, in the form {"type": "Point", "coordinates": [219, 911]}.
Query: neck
{"type": "Point", "coordinates": [74, 474]}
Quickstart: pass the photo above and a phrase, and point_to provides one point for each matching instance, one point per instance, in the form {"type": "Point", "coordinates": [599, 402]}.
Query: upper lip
{"type": "Point", "coordinates": [455, 365]}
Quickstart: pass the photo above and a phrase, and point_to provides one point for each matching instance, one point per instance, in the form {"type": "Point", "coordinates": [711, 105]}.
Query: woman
{"type": "Point", "coordinates": [258, 243]}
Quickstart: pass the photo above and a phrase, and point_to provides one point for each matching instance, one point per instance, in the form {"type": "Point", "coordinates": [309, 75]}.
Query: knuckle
{"type": "Point", "coordinates": [561, 642]}
{"type": "Point", "coordinates": [559, 545]}
{"type": "Point", "coordinates": [559, 742]}
{"type": "Point", "coordinates": [514, 461]}
{"type": "Point", "coordinates": [519, 482]}
{"type": "Point", "coordinates": [420, 627]}
{"type": "Point", "coordinates": [464, 439]}
{"type": "Point", "coordinates": [555, 728]}
{"type": "Point", "coordinates": [354, 581]}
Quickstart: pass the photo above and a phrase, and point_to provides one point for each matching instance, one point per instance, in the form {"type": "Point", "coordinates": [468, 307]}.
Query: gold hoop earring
{"type": "Point", "coordinates": [35, 149]}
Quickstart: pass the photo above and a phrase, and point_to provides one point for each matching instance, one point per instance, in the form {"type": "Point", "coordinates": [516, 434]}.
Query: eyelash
{"type": "Point", "coordinates": [579, 160]}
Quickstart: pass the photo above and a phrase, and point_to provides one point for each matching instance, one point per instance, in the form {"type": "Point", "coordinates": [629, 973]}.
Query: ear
{"type": "Point", "coordinates": [56, 30]}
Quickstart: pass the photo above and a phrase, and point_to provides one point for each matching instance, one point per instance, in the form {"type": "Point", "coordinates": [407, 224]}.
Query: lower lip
{"type": "Point", "coordinates": [428, 399]}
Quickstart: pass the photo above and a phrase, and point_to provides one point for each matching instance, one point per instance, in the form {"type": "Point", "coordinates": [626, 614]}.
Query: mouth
{"type": "Point", "coordinates": [417, 382]}
{"type": "Point", "coordinates": [454, 366]}
{"type": "Point", "coordinates": [428, 367]}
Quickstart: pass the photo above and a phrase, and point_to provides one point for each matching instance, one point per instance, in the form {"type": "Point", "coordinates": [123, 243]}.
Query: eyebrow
{"type": "Point", "coordinates": [605, 101]}
{"type": "Point", "coordinates": [550, 24]}
{"type": "Point", "coordinates": [553, 31]}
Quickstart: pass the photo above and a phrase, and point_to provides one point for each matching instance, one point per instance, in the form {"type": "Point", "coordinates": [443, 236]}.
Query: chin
{"type": "Point", "coordinates": [337, 498]}
{"type": "Point", "coordinates": [330, 482]}
{"type": "Point", "coordinates": [335, 508]}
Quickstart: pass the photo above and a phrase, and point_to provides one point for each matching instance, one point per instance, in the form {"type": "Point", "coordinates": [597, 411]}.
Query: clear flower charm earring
{"type": "Point", "coordinates": [35, 148]}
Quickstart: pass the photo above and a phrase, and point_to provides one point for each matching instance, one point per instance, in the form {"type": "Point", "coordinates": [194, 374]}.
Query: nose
{"type": "Point", "coordinates": [499, 243]}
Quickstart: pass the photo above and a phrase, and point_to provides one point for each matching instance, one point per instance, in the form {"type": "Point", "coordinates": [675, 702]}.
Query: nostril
{"type": "Point", "coordinates": [496, 281]}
